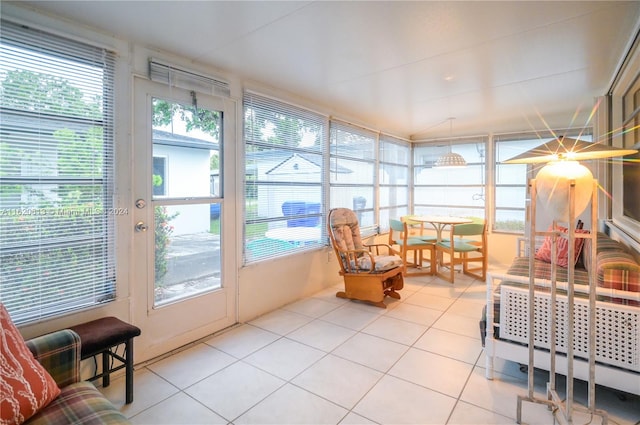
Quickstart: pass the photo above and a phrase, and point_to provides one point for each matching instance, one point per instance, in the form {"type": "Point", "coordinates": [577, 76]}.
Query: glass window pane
{"type": "Point", "coordinates": [185, 150]}
{"type": "Point", "coordinates": [57, 162]}
{"type": "Point", "coordinates": [284, 171]}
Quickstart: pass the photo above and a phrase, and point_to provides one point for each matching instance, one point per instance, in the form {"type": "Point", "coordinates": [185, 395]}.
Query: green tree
{"type": "Point", "coordinates": [39, 92]}
{"type": "Point", "coordinates": [164, 113]}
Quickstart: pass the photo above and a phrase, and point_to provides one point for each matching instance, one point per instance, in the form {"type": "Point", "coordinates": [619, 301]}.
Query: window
{"type": "Point", "coordinates": [624, 132]}
{"type": "Point", "coordinates": [353, 172]}
{"type": "Point", "coordinates": [393, 179]}
{"type": "Point", "coordinates": [450, 191]}
{"type": "Point", "coordinates": [284, 169]}
{"type": "Point", "coordinates": [511, 180]}
{"type": "Point", "coordinates": [56, 174]}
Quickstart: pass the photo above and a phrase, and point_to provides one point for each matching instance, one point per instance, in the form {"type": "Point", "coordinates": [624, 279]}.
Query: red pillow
{"type": "Point", "coordinates": [544, 252]}
{"type": "Point", "coordinates": [25, 385]}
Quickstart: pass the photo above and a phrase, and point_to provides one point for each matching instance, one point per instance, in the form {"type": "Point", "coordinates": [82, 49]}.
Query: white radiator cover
{"type": "Point", "coordinates": [617, 326]}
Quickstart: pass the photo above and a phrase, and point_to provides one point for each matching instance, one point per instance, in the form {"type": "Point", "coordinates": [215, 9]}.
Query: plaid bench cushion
{"type": "Point", "coordinates": [618, 270]}
{"type": "Point", "coordinates": [520, 267]}
{"type": "Point", "coordinates": [79, 403]}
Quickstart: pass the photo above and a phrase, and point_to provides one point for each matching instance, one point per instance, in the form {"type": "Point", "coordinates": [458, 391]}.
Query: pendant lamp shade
{"type": "Point", "coordinates": [450, 159]}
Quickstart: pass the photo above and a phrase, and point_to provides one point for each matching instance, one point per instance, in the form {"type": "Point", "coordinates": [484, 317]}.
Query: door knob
{"type": "Point", "coordinates": [141, 227]}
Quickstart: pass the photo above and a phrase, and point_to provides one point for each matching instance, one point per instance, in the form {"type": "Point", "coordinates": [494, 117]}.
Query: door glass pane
{"type": "Point", "coordinates": [187, 251]}
{"type": "Point", "coordinates": [186, 150]}
{"type": "Point", "coordinates": [185, 165]}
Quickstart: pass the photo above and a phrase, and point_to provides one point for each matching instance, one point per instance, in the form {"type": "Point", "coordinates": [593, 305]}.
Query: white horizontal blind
{"type": "Point", "coordinates": [56, 174]}
{"type": "Point", "coordinates": [353, 172]}
{"type": "Point", "coordinates": [450, 191]}
{"type": "Point", "coordinates": [284, 205]}
{"type": "Point", "coordinates": [189, 80]}
{"type": "Point", "coordinates": [393, 179]}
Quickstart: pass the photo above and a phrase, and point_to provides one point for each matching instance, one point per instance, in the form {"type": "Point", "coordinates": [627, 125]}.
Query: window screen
{"type": "Point", "coordinates": [353, 173]}
{"type": "Point", "coordinates": [284, 168]}
{"type": "Point", "coordinates": [450, 191]}
{"type": "Point", "coordinates": [56, 174]}
{"type": "Point", "coordinates": [393, 179]}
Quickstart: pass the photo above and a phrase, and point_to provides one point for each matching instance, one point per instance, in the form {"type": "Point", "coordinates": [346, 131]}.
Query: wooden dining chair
{"type": "Point", "coordinates": [467, 243]}
{"type": "Point", "coordinates": [399, 235]}
{"type": "Point", "coordinates": [416, 228]}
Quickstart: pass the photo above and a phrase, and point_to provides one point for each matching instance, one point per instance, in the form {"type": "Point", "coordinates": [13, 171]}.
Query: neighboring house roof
{"type": "Point", "coordinates": [285, 159]}
{"type": "Point", "coordinates": [171, 139]}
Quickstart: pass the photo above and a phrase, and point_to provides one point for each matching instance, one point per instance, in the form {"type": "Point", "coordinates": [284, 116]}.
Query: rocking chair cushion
{"type": "Point", "coordinates": [383, 262]}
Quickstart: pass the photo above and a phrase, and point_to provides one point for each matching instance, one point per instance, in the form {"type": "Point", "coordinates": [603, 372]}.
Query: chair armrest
{"type": "Point", "coordinates": [59, 353]}
{"type": "Point", "coordinates": [375, 247]}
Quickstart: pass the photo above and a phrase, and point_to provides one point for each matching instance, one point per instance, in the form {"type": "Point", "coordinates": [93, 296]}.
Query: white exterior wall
{"type": "Point", "coordinates": [187, 175]}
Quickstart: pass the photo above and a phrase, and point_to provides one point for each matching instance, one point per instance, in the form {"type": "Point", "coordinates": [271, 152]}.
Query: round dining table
{"type": "Point", "coordinates": [439, 222]}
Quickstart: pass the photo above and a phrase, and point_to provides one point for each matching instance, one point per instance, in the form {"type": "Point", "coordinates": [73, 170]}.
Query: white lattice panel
{"type": "Point", "coordinates": [617, 326]}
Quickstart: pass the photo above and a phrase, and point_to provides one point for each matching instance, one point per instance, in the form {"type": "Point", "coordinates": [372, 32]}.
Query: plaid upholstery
{"type": "Point", "coordinates": [520, 267]}
{"type": "Point", "coordinates": [79, 403]}
{"type": "Point", "coordinates": [604, 243]}
{"type": "Point", "coordinates": [59, 353]}
{"type": "Point", "coordinates": [618, 270]}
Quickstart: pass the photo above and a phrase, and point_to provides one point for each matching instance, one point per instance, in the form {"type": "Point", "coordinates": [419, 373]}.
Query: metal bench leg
{"type": "Point", "coordinates": [129, 370]}
{"type": "Point", "coordinates": [106, 367]}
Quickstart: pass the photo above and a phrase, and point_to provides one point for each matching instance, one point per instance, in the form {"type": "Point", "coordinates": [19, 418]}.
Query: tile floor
{"type": "Point", "coordinates": [325, 360]}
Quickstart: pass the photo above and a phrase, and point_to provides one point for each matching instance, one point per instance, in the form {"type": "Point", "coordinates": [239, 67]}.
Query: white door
{"type": "Point", "coordinates": [184, 271]}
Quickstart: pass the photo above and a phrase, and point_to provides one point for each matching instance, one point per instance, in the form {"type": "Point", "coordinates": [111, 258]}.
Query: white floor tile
{"type": "Point", "coordinates": [467, 308]}
{"type": "Point", "coordinates": [451, 345]}
{"type": "Point", "coordinates": [354, 419]}
{"type": "Point", "coordinates": [338, 380]}
{"type": "Point", "coordinates": [322, 335]}
{"type": "Point", "coordinates": [395, 330]}
{"type": "Point", "coordinates": [414, 313]}
{"type": "Point", "coordinates": [285, 358]}
{"type": "Point", "coordinates": [368, 350]}
{"type": "Point", "coordinates": [235, 389]}
{"type": "Point", "coordinates": [395, 401]}
{"type": "Point", "coordinates": [459, 324]}
{"type": "Point", "coordinates": [192, 365]}
{"type": "Point", "coordinates": [178, 409]}
{"type": "Point", "coordinates": [281, 322]}
{"type": "Point", "coordinates": [148, 389]}
{"type": "Point", "coordinates": [468, 414]}
{"type": "Point", "coordinates": [312, 307]}
{"type": "Point", "coordinates": [329, 360]}
{"type": "Point", "coordinates": [434, 302]}
{"type": "Point", "coordinates": [350, 317]}
{"type": "Point", "coordinates": [295, 406]}
{"type": "Point", "coordinates": [242, 341]}
{"type": "Point", "coordinates": [432, 371]}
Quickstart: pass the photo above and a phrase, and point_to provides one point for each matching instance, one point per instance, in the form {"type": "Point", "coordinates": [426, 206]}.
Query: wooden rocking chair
{"type": "Point", "coordinates": [370, 272]}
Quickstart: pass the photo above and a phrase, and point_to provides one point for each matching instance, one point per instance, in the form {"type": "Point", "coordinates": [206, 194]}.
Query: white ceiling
{"type": "Point", "coordinates": [401, 67]}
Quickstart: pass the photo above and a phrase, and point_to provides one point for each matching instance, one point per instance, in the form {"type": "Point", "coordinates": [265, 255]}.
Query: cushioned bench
{"type": "Point", "coordinates": [103, 336]}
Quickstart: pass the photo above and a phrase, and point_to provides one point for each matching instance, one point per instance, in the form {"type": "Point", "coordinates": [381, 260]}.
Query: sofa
{"type": "Point", "coordinates": [505, 323]}
{"type": "Point", "coordinates": [47, 370]}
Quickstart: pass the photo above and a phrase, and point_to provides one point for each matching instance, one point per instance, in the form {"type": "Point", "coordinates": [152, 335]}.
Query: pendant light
{"type": "Point", "coordinates": [450, 159]}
